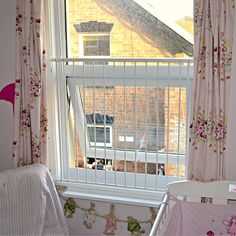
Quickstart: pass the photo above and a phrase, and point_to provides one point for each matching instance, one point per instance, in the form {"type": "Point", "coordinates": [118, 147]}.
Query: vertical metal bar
{"type": "Point", "coordinates": [179, 115]}
{"type": "Point", "coordinates": [125, 147]}
{"type": "Point", "coordinates": [114, 111]}
{"type": "Point", "coordinates": [85, 125]}
{"type": "Point", "coordinates": [104, 120]}
{"type": "Point", "coordinates": [168, 125]}
{"type": "Point", "coordinates": [157, 125]}
{"type": "Point", "coordinates": [94, 123]}
{"type": "Point", "coordinates": [146, 124]}
{"type": "Point", "coordinates": [135, 120]}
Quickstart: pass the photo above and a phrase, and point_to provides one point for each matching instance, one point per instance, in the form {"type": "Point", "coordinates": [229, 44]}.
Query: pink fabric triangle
{"type": "Point", "coordinates": [8, 93]}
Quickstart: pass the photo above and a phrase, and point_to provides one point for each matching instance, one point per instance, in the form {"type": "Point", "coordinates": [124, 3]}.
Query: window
{"type": "Point", "coordinates": [123, 107]}
{"type": "Point", "coordinates": [95, 45]}
{"type": "Point", "coordinates": [99, 136]}
{"type": "Point", "coordinates": [94, 38]}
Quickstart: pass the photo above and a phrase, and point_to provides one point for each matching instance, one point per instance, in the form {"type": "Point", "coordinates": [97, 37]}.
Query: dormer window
{"type": "Point", "coordinates": [95, 45]}
{"type": "Point", "coordinates": [94, 38]}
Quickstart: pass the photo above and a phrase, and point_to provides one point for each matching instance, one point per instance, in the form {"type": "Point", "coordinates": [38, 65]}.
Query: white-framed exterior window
{"type": "Point", "coordinates": [152, 73]}
{"type": "Point", "coordinates": [81, 73]}
{"type": "Point", "coordinates": [103, 135]}
{"type": "Point", "coordinates": [94, 45]}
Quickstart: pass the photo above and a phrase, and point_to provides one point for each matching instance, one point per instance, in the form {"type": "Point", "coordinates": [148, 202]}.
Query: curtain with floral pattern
{"type": "Point", "coordinates": [30, 120]}
{"type": "Point", "coordinates": [214, 21]}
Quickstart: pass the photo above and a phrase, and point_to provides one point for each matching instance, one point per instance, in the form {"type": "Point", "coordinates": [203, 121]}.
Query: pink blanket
{"type": "Point", "coordinates": [189, 218]}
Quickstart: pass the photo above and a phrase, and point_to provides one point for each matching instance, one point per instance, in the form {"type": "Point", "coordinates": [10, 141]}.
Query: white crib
{"type": "Point", "coordinates": [193, 194]}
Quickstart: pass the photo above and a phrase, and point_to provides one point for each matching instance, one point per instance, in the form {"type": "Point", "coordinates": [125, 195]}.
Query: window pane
{"type": "Point", "coordinates": [100, 134]}
{"type": "Point", "coordinates": [96, 45]}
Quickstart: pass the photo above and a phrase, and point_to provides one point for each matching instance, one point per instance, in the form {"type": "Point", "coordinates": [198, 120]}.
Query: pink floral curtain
{"type": "Point", "coordinates": [212, 74]}
{"type": "Point", "coordinates": [30, 121]}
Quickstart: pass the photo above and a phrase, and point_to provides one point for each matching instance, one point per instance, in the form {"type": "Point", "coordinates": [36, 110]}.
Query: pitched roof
{"type": "Point", "coordinates": [93, 26]}
{"type": "Point", "coordinates": [165, 19]}
{"type": "Point", "coordinates": [149, 26]}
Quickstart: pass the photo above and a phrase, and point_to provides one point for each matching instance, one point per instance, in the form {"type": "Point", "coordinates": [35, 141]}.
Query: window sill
{"type": "Point", "coordinates": [137, 197]}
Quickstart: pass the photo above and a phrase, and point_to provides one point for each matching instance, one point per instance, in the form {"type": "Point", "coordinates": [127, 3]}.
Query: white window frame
{"type": "Point", "coordinates": [68, 176]}
{"type": "Point", "coordinates": [101, 144]}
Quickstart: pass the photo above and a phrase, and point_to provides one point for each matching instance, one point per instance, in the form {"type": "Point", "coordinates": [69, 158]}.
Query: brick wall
{"type": "Point", "coordinates": [175, 121]}
{"type": "Point", "coordinates": [167, 121]}
{"type": "Point", "coordinates": [133, 109]}
{"type": "Point", "coordinates": [149, 168]}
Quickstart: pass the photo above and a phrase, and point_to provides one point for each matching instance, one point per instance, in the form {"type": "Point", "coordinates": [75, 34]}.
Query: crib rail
{"type": "Point", "coordinates": [161, 215]}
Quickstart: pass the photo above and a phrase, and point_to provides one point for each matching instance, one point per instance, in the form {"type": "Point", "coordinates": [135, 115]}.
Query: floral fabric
{"type": "Point", "coordinates": [30, 119]}
{"type": "Point", "coordinates": [212, 74]}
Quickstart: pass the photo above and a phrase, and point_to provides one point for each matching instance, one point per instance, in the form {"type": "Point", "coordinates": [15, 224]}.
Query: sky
{"type": "Point", "coordinates": [168, 11]}
{"type": "Point", "coordinates": [172, 9]}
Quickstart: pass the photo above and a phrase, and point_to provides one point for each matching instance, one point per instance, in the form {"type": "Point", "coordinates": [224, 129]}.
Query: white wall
{"type": "Point", "coordinates": [7, 75]}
